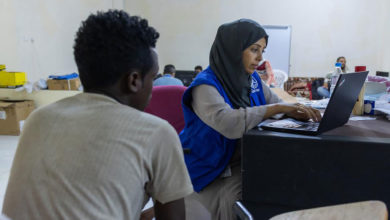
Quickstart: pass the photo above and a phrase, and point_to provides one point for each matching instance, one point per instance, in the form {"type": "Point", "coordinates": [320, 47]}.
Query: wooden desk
{"type": "Point", "coordinates": [284, 172]}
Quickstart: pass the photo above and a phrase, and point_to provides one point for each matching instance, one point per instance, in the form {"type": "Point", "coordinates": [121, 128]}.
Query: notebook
{"type": "Point", "coordinates": [336, 114]}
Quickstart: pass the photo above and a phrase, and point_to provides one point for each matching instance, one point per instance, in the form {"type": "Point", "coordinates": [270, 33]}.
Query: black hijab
{"type": "Point", "coordinates": [226, 58]}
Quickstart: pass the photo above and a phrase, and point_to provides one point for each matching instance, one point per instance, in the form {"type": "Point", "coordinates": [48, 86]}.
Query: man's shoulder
{"type": "Point", "coordinates": [159, 81]}
{"type": "Point", "coordinates": [178, 80]}
{"type": "Point", "coordinates": [99, 107]}
{"type": "Point", "coordinates": [172, 79]}
{"type": "Point", "coordinates": [52, 108]}
{"type": "Point", "coordinates": [143, 122]}
{"type": "Point", "coordinates": [153, 120]}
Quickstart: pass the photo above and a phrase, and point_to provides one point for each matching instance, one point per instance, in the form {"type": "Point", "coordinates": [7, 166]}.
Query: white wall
{"type": "Point", "coordinates": [321, 30]}
{"type": "Point", "coordinates": [37, 35]}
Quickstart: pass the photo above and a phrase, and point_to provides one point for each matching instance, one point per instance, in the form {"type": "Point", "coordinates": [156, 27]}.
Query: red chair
{"type": "Point", "coordinates": [166, 104]}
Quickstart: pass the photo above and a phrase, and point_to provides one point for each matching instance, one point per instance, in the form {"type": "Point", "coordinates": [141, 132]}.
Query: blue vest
{"type": "Point", "coordinates": [210, 150]}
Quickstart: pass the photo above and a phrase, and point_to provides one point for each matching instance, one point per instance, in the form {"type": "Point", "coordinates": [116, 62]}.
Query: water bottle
{"type": "Point", "coordinates": [335, 77]}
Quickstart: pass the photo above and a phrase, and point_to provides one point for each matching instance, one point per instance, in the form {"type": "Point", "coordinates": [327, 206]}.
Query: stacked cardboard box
{"type": "Point", "coordinates": [12, 115]}
{"type": "Point", "coordinates": [64, 84]}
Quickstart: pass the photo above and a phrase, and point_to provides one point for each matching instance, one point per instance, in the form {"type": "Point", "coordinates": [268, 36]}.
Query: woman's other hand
{"type": "Point", "coordinates": [270, 73]}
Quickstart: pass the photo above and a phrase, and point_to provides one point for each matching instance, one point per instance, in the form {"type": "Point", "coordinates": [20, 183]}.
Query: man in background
{"type": "Point", "coordinates": [343, 62]}
{"type": "Point", "coordinates": [168, 78]}
{"type": "Point", "coordinates": [97, 155]}
{"type": "Point", "coordinates": [323, 90]}
{"type": "Point", "coordinates": [198, 69]}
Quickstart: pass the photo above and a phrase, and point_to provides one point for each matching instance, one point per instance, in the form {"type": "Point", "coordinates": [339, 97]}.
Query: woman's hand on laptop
{"type": "Point", "coordinates": [302, 112]}
{"type": "Point", "coordinates": [297, 111]}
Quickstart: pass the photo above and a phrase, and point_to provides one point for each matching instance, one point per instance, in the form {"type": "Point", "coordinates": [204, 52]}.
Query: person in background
{"type": "Point", "coordinates": [224, 101]}
{"type": "Point", "coordinates": [198, 69]}
{"type": "Point", "coordinates": [97, 155]}
{"type": "Point", "coordinates": [324, 89]}
{"type": "Point", "coordinates": [168, 77]}
{"type": "Point", "coordinates": [343, 62]}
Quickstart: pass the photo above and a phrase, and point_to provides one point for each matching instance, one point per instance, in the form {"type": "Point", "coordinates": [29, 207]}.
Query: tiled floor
{"type": "Point", "coordinates": [7, 151]}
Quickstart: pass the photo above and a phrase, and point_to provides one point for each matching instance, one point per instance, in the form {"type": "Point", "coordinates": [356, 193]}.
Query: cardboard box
{"type": "Point", "coordinates": [64, 84]}
{"type": "Point", "coordinates": [12, 115]}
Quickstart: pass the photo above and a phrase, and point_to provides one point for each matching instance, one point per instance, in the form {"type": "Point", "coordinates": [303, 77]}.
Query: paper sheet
{"type": "Point", "coordinates": [361, 118]}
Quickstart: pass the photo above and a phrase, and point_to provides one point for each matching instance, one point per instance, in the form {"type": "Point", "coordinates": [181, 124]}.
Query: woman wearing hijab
{"type": "Point", "coordinates": [224, 101]}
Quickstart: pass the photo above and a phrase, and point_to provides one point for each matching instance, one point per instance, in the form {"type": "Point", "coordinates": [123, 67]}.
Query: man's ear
{"type": "Point", "coordinates": [134, 81]}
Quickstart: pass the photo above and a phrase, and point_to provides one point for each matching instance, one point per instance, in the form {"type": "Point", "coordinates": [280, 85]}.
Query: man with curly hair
{"type": "Point", "coordinates": [97, 155]}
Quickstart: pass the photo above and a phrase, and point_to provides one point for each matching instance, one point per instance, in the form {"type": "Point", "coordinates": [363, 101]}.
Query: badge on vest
{"type": "Point", "coordinates": [254, 85]}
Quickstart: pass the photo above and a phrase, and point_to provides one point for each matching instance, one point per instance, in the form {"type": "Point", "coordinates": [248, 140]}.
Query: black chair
{"type": "Point", "coordinates": [186, 76]}
{"type": "Point", "coordinates": [314, 85]}
{"type": "Point", "coordinates": [382, 73]}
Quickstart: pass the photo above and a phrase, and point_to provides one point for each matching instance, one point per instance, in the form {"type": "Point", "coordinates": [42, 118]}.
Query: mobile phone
{"type": "Point", "coordinates": [261, 68]}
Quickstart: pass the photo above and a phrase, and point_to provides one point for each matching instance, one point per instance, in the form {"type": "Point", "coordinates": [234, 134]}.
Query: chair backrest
{"type": "Point", "coordinates": [280, 78]}
{"type": "Point", "coordinates": [166, 104]}
{"type": "Point", "coordinates": [186, 76]}
{"type": "Point", "coordinates": [314, 86]}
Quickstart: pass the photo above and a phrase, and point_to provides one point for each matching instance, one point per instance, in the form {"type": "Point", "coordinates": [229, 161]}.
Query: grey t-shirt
{"type": "Point", "coordinates": [90, 157]}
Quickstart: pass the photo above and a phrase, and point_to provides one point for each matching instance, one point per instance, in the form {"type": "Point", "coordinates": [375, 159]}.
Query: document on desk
{"type": "Point", "coordinates": [320, 104]}
{"type": "Point", "coordinates": [361, 118]}
{"type": "Point", "coordinates": [383, 110]}
{"type": "Point", "coordinates": [383, 105]}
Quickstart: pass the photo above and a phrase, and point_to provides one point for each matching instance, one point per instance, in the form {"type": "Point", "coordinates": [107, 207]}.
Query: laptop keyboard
{"type": "Point", "coordinates": [294, 124]}
{"type": "Point", "coordinates": [309, 126]}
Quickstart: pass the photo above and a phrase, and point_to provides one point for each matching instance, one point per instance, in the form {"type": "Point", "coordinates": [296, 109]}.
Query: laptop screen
{"type": "Point", "coordinates": [342, 100]}
{"type": "Point", "coordinates": [337, 112]}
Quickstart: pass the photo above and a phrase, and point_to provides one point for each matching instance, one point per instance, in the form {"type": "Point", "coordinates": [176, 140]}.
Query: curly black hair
{"type": "Point", "coordinates": [110, 44]}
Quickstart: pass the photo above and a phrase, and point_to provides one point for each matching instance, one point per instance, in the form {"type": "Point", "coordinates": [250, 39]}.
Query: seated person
{"type": "Point", "coordinates": [198, 69]}
{"type": "Point", "coordinates": [97, 155]}
{"type": "Point", "coordinates": [343, 61]}
{"type": "Point", "coordinates": [222, 103]}
{"type": "Point", "coordinates": [324, 90]}
{"type": "Point", "coordinates": [168, 77]}
{"type": "Point", "coordinates": [314, 88]}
